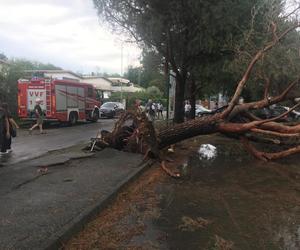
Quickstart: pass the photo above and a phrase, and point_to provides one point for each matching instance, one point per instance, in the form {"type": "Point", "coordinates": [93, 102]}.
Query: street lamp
{"type": "Point", "coordinates": [122, 44]}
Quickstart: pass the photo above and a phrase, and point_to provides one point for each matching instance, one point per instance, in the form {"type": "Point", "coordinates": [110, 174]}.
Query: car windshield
{"type": "Point", "coordinates": [199, 107]}
{"type": "Point", "coordinates": [108, 105]}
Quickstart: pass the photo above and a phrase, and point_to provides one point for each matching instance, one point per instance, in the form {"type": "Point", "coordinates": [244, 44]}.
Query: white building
{"type": "Point", "coordinates": [122, 84]}
{"type": "Point", "coordinates": [104, 85]}
{"type": "Point", "coordinates": [55, 74]}
{"type": "Point", "coordinates": [100, 83]}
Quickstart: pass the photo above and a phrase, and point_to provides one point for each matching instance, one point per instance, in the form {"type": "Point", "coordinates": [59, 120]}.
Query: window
{"type": "Point", "coordinates": [90, 92]}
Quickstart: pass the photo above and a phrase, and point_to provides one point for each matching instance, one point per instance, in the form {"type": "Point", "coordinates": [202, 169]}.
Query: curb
{"type": "Point", "coordinates": [57, 240]}
{"type": "Point", "coordinates": [62, 162]}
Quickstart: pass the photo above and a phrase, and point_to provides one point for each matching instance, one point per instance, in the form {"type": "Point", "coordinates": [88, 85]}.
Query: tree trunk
{"type": "Point", "coordinates": [179, 98]}
{"type": "Point", "coordinates": [193, 98]}
{"type": "Point", "coordinates": [188, 129]}
{"type": "Point", "coordinates": [133, 132]}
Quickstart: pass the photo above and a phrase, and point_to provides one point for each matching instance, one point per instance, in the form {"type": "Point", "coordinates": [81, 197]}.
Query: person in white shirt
{"type": "Point", "coordinates": [187, 109]}
{"type": "Point", "coordinates": [160, 110]}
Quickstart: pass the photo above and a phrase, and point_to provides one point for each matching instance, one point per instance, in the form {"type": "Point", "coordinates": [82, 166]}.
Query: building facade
{"type": "Point", "coordinates": [105, 86]}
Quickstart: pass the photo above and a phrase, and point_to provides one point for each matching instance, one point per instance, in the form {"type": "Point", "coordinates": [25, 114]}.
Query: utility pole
{"type": "Point", "coordinates": [122, 70]}
{"type": "Point", "coordinates": [168, 94]}
{"type": "Point", "coordinates": [167, 76]}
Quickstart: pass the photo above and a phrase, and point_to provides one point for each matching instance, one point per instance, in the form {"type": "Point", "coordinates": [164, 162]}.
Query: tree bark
{"type": "Point", "coordinates": [193, 98]}
{"type": "Point", "coordinates": [188, 129]}
{"type": "Point", "coordinates": [179, 98]}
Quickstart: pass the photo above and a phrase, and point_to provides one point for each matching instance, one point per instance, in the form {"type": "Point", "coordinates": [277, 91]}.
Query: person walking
{"type": "Point", "coordinates": [39, 116]}
{"type": "Point", "coordinates": [155, 108]}
{"type": "Point", "coordinates": [150, 110]}
{"type": "Point", "coordinates": [4, 130]}
{"type": "Point", "coordinates": [187, 109]}
{"type": "Point", "coordinates": [12, 127]}
{"type": "Point", "coordinates": [160, 110]}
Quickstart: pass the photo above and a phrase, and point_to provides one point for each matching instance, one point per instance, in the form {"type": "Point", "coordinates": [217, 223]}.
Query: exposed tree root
{"type": "Point", "coordinates": [133, 132]}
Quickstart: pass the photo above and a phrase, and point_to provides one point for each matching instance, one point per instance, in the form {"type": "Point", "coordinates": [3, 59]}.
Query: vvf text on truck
{"type": "Point", "coordinates": [62, 100]}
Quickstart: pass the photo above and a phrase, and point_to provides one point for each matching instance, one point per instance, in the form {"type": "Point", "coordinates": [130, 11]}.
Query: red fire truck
{"type": "Point", "coordinates": [61, 100]}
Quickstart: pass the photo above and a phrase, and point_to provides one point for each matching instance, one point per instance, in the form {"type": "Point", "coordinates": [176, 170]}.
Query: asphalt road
{"type": "Point", "coordinates": [27, 146]}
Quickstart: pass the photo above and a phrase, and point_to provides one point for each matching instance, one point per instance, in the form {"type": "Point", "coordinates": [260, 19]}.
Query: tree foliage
{"type": "Point", "coordinates": [3, 57]}
{"type": "Point", "coordinates": [194, 37]}
{"type": "Point", "coordinates": [11, 73]}
{"type": "Point", "coordinates": [150, 73]}
{"type": "Point", "coordinates": [152, 93]}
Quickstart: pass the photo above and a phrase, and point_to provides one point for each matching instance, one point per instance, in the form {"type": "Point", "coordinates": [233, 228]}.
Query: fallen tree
{"type": "Point", "coordinates": [135, 133]}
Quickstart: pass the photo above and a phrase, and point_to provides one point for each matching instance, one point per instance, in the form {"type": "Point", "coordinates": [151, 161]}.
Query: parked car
{"type": "Point", "coordinates": [295, 114]}
{"type": "Point", "coordinates": [274, 111]}
{"type": "Point", "coordinates": [111, 109]}
{"type": "Point", "coordinates": [200, 110]}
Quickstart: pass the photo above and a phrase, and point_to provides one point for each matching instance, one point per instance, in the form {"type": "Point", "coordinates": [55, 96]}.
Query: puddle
{"type": "Point", "coordinates": [229, 200]}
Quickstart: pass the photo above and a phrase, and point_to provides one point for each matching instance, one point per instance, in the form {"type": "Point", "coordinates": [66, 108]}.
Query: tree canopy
{"type": "Point", "coordinates": [10, 74]}
{"type": "Point", "coordinates": [150, 73]}
{"type": "Point", "coordinates": [196, 37]}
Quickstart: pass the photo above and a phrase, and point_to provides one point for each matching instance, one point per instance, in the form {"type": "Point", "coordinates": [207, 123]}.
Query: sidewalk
{"type": "Point", "coordinates": [38, 211]}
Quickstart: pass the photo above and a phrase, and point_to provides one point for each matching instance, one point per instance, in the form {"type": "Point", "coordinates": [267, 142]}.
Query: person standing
{"type": "Point", "coordinates": [137, 105]}
{"type": "Point", "coordinates": [150, 110]}
{"type": "Point", "coordinates": [12, 127]}
{"type": "Point", "coordinates": [187, 109]}
{"type": "Point", "coordinates": [156, 110]}
{"type": "Point", "coordinates": [39, 116]}
{"type": "Point", "coordinates": [160, 110]}
{"type": "Point", "coordinates": [216, 105]}
{"type": "Point", "coordinates": [4, 130]}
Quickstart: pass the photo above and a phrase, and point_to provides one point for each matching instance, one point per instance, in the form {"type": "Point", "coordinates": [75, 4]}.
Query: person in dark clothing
{"type": "Point", "coordinates": [4, 130]}
{"type": "Point", "coordinates": [39, 116]}
{"type": "Point", "coordinates": [150, 110]}
{"type": "Point", "coordinates": [12, 126]}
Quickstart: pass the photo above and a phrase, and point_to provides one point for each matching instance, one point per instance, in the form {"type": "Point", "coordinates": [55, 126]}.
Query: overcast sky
{"type": "Point", "coordinates": [65, 33]}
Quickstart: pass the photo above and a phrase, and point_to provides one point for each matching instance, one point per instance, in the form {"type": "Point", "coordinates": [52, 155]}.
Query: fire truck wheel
{"type": "Point", "coordinates": [73, 117]}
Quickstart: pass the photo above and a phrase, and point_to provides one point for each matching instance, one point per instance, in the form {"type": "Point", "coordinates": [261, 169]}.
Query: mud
{"type": "Point", "coordinates": [230, 201]}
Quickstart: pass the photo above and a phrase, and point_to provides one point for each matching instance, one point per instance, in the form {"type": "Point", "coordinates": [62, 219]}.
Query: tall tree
{"type": "Point", "coordinates": [183, 32]}
{"type": "Point", "coordinates": [236, 119]}
{"type": "Point", "coordinates": [150, 73]}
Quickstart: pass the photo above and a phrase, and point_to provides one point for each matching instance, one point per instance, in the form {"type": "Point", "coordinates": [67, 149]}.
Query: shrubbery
{"type": "Point", "coordinates": [150, 93]}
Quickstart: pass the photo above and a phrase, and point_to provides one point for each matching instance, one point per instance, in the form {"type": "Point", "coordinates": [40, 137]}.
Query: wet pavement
{"type": "Point", "coordinates": [234, 200]}
{"type": "Point", "coordinates": [226, 199]}
{"type": "Point", "coordinates": [27, 146]}
{"type": "Point", "coordinates": [39, 209]}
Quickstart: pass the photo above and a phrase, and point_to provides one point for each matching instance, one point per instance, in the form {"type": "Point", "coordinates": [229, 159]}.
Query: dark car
{"type": "Point", "coordinates": [111, 109]}
{"type": "Point", "coordinates": [272, 112]}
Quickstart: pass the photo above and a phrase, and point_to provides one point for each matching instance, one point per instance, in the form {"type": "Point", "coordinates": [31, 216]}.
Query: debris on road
{"type": "Point", "coordinates": [43, 170]}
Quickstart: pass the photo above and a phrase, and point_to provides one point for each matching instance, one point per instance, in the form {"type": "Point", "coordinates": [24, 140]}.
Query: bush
{"type": "Point", "coordinates": [151, 93]}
